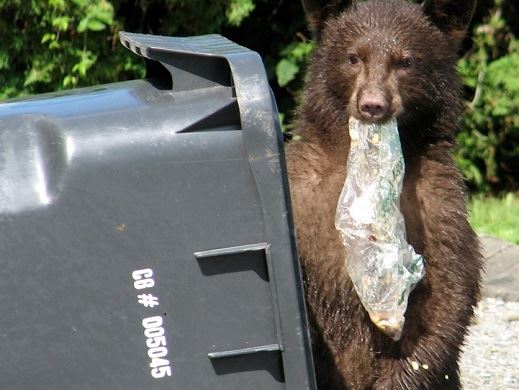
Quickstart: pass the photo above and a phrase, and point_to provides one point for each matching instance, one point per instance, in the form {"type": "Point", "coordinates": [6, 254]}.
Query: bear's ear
{"type": "Point", "coordinates": [452, 17]}
{"type": "Point", "coordinates": [317, 11]}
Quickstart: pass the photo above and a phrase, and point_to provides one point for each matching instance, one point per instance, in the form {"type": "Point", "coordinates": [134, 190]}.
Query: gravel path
{"type": "Point", "coordinates": [491, 357]}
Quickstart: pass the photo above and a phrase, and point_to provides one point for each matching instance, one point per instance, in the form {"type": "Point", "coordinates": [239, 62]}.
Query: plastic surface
{"type": "Point", "coordinates": [145, 231]}
{"type": "Point", "coordinates": [383, 267]}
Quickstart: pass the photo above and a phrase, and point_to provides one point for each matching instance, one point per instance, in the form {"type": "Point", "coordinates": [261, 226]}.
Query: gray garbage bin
{"type": "Point", "coordinates": [145, 231]}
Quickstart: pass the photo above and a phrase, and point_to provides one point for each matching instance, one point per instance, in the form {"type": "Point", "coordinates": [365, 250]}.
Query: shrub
{"type": "Point", "coordinates": [488, 151]}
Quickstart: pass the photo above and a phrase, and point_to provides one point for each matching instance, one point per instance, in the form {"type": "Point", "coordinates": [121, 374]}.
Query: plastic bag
{"type": "Point", "coordinates": [383, 267]}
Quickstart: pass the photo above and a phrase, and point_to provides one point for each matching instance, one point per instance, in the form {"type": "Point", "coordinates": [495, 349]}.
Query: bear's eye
{"type": "Point", "coordinates": [405, 62]}
{"type": "Point", "coordinates": [353, 59]}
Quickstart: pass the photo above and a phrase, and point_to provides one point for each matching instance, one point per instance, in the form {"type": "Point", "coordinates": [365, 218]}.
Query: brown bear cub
{"type": "Point", "coordinates": [376, 60]}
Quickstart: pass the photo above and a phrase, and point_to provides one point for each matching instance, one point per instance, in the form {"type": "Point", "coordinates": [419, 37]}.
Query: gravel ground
{"type": "Point", "coordinates": [491, 357]}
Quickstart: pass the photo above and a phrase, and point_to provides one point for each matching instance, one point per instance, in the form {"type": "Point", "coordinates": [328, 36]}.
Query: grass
{"type": "Point", "coordinates": [498, 217]}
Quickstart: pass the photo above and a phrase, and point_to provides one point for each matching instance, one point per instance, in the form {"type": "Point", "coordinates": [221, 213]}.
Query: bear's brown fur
{"type": "Point", "coordinates": [400, 58]}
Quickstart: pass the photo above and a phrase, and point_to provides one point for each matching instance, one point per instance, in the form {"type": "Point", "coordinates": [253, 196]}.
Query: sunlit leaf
{"type": "Point", "coordinates": [286, 71]}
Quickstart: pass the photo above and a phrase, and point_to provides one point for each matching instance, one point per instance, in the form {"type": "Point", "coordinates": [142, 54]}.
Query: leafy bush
{"type": "Point", "coordinates": [55, 44]}
{"type": "Point", "coordinates": [488, 151]}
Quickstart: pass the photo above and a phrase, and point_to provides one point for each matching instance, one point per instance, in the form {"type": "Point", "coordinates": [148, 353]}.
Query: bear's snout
{"type": "Point", "coordinates": [373, 106]}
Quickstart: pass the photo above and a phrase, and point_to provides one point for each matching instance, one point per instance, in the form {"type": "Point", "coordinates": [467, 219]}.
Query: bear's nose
{"type": "Point", "coordinates": [373, 106]}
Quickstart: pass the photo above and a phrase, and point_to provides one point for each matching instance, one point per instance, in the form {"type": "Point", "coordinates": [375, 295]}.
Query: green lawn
{"type": "Point", "coordinates": [498, 217]}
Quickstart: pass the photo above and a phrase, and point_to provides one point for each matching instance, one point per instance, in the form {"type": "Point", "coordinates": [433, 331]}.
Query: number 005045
{"type": "Point", "coordinates": [157, 348]}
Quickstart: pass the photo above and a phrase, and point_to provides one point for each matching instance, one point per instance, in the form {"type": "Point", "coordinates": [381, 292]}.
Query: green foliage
{"type": "Point", "coordinates": [496, 216]}
{"type": "Point", "coordinates": [56, 44]}
{"type": "Point", "coordinates": [292, 58]}
{"type": "Point", "coordinates": [182, 17]}
{"type": "Point", "coordinates": [239, 10]}
{"type": "Point", "coordinates": [50, 45]}
{"type": "Point", "coordinates": [286, 71]}
{"type": "Point", "coordinates": [488, 149]}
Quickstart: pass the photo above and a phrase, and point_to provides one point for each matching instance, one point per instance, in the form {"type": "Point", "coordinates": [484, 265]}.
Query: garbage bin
{"type": "Point", "coordinates": [145, 231]}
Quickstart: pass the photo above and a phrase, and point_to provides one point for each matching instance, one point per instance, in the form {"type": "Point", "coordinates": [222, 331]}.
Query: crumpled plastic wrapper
{"type": "Point", "coordinates": [382, 265]}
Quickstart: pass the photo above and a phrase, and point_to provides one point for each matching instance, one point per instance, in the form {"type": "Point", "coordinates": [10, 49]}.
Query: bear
{"type": "Point", "coordinates": [377, 60]}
